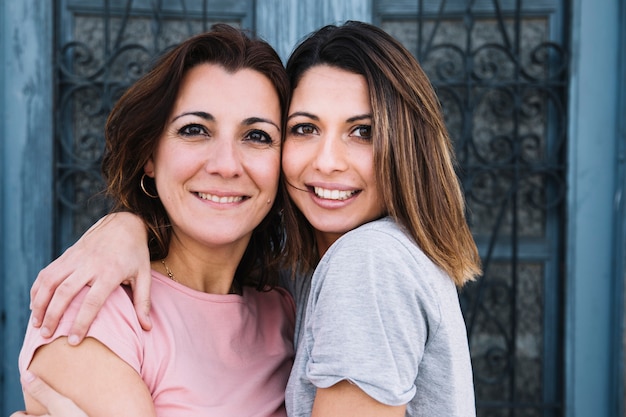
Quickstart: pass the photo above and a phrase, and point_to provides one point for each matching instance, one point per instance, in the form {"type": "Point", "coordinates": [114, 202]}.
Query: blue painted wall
{"type": "Point", "coordinates": [593, 160]}
{"type": "Point", "coordinates": [619, 328]}
{"type": "Point", "coordinates": [25, 173]}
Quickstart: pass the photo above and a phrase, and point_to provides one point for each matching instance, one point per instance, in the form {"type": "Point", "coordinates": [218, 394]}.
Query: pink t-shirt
{"type": "Point", "coordinates": [206, 355]}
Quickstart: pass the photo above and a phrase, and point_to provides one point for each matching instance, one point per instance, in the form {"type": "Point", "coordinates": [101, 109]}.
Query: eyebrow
{"type": "Point", "coordinates": [209, 117]}
{"type": "Point", "coordinates": [314, 117]}
{"type": "Point", "coordinates": [359, 117]}
{"type": "Point", "coordinates": [201, 114]}
{"type": "Point", "coordinates": [252, 120]}
{"type": "Point", "coordinates": [304, 114]}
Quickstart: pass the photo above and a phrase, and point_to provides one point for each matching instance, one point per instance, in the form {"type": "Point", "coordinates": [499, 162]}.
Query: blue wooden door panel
{"type": "Point", "coordinates": [26, 172]}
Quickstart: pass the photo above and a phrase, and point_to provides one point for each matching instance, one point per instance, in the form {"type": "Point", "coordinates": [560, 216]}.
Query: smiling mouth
{"type": "Point", "coordinates": [334, 194]}
{"type": "Point", "coordinates": [221, 200]}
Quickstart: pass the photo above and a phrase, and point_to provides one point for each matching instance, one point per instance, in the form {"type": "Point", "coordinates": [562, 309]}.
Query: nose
{"type": "Point", "coordinates": [224, 159]}
{"type": "Point", "coordinates": [331, 154]}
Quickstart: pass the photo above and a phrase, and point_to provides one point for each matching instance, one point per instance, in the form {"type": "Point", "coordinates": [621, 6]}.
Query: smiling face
{"type": "Point", "coordinates": [217, 163]}
{"type": "Point", "coordinates": [328, 158]}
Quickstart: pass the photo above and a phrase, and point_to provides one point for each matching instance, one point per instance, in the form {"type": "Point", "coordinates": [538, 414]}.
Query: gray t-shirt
{"type": "Point", "coordinates": [383, 316]}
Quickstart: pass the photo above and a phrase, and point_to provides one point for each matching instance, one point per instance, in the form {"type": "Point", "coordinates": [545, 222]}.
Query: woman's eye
{"type": "Point", "coordinates": [259, 136]}
{"type": "Point", "coordinates": [303, 129]}
{"type": "Point", "coordinates": [363, 132]}
{"type": "Point", "coordinates": [193, 130]}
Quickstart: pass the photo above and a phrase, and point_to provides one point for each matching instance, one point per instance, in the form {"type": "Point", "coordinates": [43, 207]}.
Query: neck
{"type": "Point", "coordinates": [204, 270]}
{"type": "Point", "coordinates": [324, 241]}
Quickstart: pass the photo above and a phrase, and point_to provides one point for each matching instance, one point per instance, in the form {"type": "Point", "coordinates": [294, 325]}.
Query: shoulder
{"type": "Point", "coordinates": [379, 246]}
{"type": "Point", "coordinates": [379, 238]}
{"type": "Point", "coordinates": [382, 259]}
{"type": "Point", "coordinates": [117, 319]}
{"type": "Point", "coordinates": [116, 326]}
{"type": "Point", "coordinates": [118, 307]}
{"type": "Point", "coordinates": [277, 300]}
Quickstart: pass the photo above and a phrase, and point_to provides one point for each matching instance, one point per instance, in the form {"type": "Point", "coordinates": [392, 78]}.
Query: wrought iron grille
{"type": "Point", "coordinates": [104, 46]}
{"type": "Point", "coordinates": [500, 69]}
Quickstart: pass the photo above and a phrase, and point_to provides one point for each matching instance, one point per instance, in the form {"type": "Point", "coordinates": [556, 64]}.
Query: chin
{"type": "Point", "coordinates": [336, 228]}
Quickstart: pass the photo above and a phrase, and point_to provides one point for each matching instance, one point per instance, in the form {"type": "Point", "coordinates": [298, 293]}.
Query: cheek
{"type": "Point", "coordinates": [267, 171]}
{"type": "Point", "coordinates": [168, 156]}
{"type": "Point", "coordinates": [291, 161]}
{"type": "Point", "coordinates": [363, 160]}
{"type": "Point", "coordinates": [175, 168]}
{"type": "Point", "coordinates": [368, 172]}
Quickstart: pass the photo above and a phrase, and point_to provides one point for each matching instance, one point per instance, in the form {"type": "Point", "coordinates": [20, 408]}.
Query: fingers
{"type": "Point", "coordinates": [45, 288]}
{"type": "Point", "coordinates": [91, 305]}
{"type": "Point", "coordinates": [140, 279]}
{"type": "Point", "coordinates": [111, 251]}
{"type": "Point", "coordinates": [56, 404]}
{"type": "Point", "coordinates": [141, 298]}
{"type": "Point", "coordinates": [47, 280]}
{"type": "Point", "coordinates": [62, 297]}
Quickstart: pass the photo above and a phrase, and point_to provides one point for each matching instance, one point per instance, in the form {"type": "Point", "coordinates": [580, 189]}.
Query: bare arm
{"type": "Point", "coordinates": [56, 405]}
{"type": "Point", "coordinates": [93, 377]}
{"type": "Point", "coordinates": [347, 400]}
{"type": "Point", "coordinates": [112, 251]}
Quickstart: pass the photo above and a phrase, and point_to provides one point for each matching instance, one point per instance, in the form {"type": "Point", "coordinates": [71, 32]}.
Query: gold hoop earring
{"type": "Point", "coordinates": [143, 188]}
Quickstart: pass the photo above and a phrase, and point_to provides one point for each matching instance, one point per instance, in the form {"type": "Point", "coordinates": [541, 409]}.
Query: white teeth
{"type": "Point", "coordinates": [333, 194]}
{"type": "Point", "coordinates": [221, 200]}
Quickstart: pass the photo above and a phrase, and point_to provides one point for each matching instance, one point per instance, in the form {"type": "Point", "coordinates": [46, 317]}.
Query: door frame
{"type": "Point", "coordinates": [594, 254]}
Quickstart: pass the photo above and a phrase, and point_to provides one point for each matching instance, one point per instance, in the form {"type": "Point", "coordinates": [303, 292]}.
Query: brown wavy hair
{"type": "Point", "coordinates": [138, 120]}
{"type": "Point", "coordinates": [413, 155]}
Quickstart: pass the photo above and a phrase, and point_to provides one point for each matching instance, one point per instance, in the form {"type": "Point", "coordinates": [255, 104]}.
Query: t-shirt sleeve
{"type": "Point", "coordinates": [116, 326]}
{"type": "Point", "coordinates": [367, 320]}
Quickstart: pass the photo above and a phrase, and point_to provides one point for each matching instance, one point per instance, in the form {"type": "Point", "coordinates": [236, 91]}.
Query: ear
{"type": "Point", "coordinates": [148, 168]}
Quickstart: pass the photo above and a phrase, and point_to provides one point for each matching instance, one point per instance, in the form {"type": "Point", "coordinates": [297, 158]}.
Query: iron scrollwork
{"type": "Point", "coordinates": [501, 79]}
{"type": "Point", "coordinates": [107, 49]}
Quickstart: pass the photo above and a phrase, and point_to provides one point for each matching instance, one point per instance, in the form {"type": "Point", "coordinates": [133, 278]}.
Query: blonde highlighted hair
{"type": "Point", "coordinates": [413, 153]}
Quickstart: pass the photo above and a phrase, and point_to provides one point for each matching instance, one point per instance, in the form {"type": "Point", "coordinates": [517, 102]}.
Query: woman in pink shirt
{"type": "Point", "coordinates": [193, 148]}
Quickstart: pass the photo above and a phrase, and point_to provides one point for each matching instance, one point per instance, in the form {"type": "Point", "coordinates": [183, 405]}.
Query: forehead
{"type": "Point", "coordinates": [212, 86]}
{"type": "Point", "coordinates": [323, 86]}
